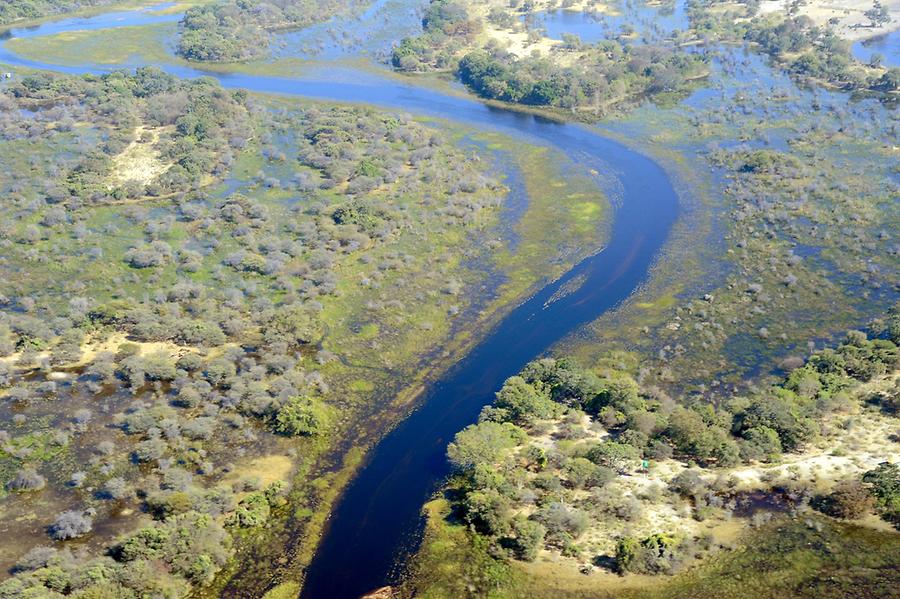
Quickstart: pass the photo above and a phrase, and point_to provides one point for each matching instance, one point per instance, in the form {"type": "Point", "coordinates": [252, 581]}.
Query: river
{"type": "Point", "coordinates": [378, 519]}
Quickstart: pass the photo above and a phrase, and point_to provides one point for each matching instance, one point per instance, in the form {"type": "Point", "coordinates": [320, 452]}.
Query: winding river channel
{"type": "Point", "coordinates": [378, 518]}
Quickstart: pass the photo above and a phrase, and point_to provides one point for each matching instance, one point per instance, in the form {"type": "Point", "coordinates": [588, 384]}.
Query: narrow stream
{"type": "Point", "coordinates": [378, 518]}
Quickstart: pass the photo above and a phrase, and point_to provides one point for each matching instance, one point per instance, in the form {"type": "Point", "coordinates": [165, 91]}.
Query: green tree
{"type": "Point", "coordinates": [618, 456]}
{"type": "Point", "coordinates": [301, 416]}
{"type": "Point", "coordinates": [483, 443]}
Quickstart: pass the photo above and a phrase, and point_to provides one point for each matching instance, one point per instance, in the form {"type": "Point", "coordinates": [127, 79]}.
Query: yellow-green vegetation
{"type": "Point", "coordinates": [564, 221]}
{"type": "Point", "coordinates": [287, 590]}
{"type": "Point", "coordinates": [806, 163]}
{"type": "Point", "coordinates": [138, 44]}
{"type": "Point", "coordinates": [120, 45]}
{"type": "Point", "coordinates": [809, 557]}
{"type": "Point", "coordinates": [32, 12]}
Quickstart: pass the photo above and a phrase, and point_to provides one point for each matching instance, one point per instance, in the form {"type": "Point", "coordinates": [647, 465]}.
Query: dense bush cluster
{"type": "Point", "coordinates": [240, 29]}
{"type": "Point", "coordinates": [446, 29]}
{"type": "Point", "coordinates": [611, 71]}
{"type": "Point", "coordinates": [815, 52]}
{"type": "Point", "coordinates": [557, 430]}
{"type": "Point", "coordinates": [162, 560]}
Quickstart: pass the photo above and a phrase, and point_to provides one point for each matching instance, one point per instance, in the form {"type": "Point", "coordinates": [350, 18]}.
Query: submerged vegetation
{"type": "Point", "coordinates": [795, 41]}
{"type": "Point", "coordinates": [239, 30]}
{"type": "Point", "coordinates": [215, 285]}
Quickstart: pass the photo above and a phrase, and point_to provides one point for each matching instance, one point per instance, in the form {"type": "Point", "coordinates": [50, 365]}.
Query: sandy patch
{"type": "Point", "coordinates": [265, 470]}
{"type": "Point", "coordinates": [140, 162]}
{"type": "Point", "coordinates": [850, 444]}
{"type": "Point", "coordinates": [92, 348]}
{"type": "Point", "coordinates": [516, 39]}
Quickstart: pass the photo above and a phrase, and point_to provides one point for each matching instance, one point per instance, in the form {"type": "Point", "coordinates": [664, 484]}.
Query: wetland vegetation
{"type": "Point", "coordinates": [218, 302]}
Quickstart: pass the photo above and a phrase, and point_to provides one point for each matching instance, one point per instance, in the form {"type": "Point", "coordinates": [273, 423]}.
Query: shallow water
{"type": "Point", "coordinates": [887, 46]}
{"type": "Point", "coordinates": [649, 23]}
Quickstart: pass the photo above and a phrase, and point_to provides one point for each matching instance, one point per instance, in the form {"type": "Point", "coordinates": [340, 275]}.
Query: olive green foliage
{"type": "Point", "coordinates": [158, 560]}
{"type": "Point", "coordinates": [247, 311]}
{"type": "Point", "coordinates": [613, 71]}
{"type": "Point", "coordinates": [301, 416]}
{"type": "Point", "coordinates": [504, 464]}
{"type": "Point", "coordinates": [850, 500]}
{"type": "Point", "coordinates": [885, 487]}
{"type": "Point", "coordinates": [446, 29]}
{"type": "Point", "coordinates": [206, 124]}
{"type": "Point", "coordinates": [652, 555]}
{"type": "Point", "coordinates": [255, 509]}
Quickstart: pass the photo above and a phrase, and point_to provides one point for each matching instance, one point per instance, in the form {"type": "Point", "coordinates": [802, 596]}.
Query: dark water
{"type": "Point", "coordinates": [378, 517]}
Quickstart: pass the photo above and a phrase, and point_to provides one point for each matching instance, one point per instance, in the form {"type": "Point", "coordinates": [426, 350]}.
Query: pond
{"type": "Point", "coordinates": [887, 46]}
{"type": "Point", "coordinates": [649, 22]}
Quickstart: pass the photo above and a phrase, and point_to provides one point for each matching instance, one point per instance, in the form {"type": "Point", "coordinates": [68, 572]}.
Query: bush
{"type": "Point", "coordinates": [71, 525]}
{"type": "Point", "coordinates": [526, 538]}
{"type": "Point", "coordinates": [849, 500]}
{"type": "Point", "coordinates": [885, 481]}
{"type": "Point", "coordinates": [27, 479]}
{"type": "Point", "coordinates": [483, 443]}
{"type": "Point", "coordinates": [618, 456]}
{"type": "Point", "coordinates": [563, 523]}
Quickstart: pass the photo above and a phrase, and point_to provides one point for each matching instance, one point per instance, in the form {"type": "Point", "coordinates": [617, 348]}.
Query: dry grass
{"type": "Point", "coordinates": [140, 162]}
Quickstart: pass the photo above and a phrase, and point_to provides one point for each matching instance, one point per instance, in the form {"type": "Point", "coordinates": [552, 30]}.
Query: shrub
{"type": "Point", "coordinates": [849, 500]}
{"type": "Point", "coordinates": [483, 443]}
{"type": "Point", "coordinates": [526, 538]}
{"type": "Point", "coordinates": [27, 479]}
{"type": "Point", "coordinates": [562, 522]}
{"type": "Point", "coordinates": [71, 525]}
{"type": "Point", "coordinates": [618, 456]}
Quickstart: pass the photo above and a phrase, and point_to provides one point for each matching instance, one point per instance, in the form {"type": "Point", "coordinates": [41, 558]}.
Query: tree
{"type": "Point", "coordinates": [487, 511]}
{"type": "Point", "coordinates": [526, 538]}
{"type": "Point", "coordinates": [301, 416]}
{"type": "Point", "coordinates": [523, 403]}
{"type": "Point", "coordinates": [760, 443]}
{"type": "Point", "coordinates": [618, 456]}
{"type": "Point", "coordinates": [563, 522]}
{"type": "Point", "coordinates": [885, 481]}
{"type": "Point", "coordinates": [483, 443]}
{"type": "Point", "coordinates": [878, 15]}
